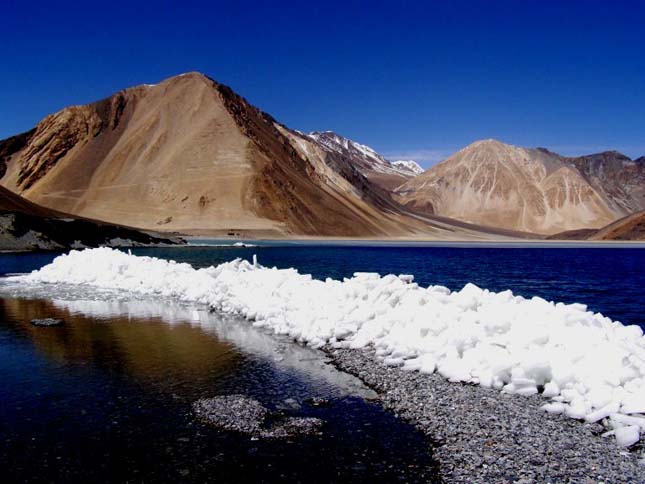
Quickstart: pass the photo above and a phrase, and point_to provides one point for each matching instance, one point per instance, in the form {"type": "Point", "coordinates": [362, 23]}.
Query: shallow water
{"type": "Point", "coordinates": [107, 398]}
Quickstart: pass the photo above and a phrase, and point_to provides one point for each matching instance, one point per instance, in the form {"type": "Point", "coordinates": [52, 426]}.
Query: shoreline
{"type": "Point", "coordinates": [192, 241]}
{"type": "Point", "coordinates": [217, 242]}
{"type": "Point", "coordinates": [480, 435]}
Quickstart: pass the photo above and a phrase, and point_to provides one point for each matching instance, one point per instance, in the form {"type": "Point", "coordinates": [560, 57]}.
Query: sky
{"type": "Point", "coordinates": [414, 80]}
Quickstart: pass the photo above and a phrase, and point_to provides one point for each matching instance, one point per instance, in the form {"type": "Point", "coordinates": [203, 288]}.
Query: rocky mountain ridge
{"type": "Point", "coordinates": [190, 155]}
{"type": "Point", "coordinates": [372, 165]}
{"type": "Point", "coordinates": [528, 189]}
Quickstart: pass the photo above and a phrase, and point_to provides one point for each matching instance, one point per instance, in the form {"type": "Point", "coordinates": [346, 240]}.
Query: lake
{"type": "Point", "coordinates": [107, 397]}
{"type": "Point", "coordinates": [608, 280]}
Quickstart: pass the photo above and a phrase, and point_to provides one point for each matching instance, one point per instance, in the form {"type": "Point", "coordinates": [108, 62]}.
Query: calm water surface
{"type": "Point", "coordinates": [106, 397]}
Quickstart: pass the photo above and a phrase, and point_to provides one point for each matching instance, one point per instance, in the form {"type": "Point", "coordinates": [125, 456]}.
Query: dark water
{"type": "Point", "coordinates": [106, 398]}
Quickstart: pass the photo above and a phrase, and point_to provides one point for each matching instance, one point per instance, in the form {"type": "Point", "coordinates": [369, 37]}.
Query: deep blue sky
{"type": "Point", "coordinates": [411, 79]}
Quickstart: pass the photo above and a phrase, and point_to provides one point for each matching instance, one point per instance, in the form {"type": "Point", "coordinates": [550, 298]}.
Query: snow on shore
{"type": "Point", "coordinates": [589, 366]}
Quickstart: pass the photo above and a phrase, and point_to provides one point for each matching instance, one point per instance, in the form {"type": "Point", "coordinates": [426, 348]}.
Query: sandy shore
{"type": "Point", "coordinates": [406, 241]}
{"type": "Point", "coordinates": [484, 436]}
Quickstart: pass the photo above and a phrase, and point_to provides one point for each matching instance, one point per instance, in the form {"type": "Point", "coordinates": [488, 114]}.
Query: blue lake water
{"type": "Point", "coordinates": [608, 280]}
{"type": "Point", "coordinates": [107, 396]}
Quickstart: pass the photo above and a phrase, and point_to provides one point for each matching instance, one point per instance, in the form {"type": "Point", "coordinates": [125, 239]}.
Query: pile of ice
{"type": "Point", "coordinates": [589, 366]}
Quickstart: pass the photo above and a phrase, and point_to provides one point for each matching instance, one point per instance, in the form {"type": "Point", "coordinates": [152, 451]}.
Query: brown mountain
{"type": "Point", "coordinates": [533, 190]}
{"type": "Point", "coordinates": [27, 226]}
{"type": "Point", "coordinates": [10, 202]}
{"type": "Point", "coordinates": [190, 155]}
{"type": "Point", "coordinates": [619, 179]}
{"type": "Point", "coordinates": [631, 227]}
{"type": "Point", "coordinates": [187, 154]}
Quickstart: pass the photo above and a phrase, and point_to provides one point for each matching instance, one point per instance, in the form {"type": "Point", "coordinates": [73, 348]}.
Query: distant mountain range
{"type": "Point", "coordinates": [189, 155]}
{"type": "Point", "coordinates": [533, 190]}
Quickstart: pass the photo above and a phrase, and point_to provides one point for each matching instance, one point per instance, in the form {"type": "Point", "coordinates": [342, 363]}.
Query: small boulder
{"type": "Point", "coordinates": [241, 414]}
{"type": "Point", "coordinates": [236, 413]}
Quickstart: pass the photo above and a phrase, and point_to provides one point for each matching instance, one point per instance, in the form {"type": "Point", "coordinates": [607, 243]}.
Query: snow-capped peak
{"type": "Point", "coordinates": [364, 157]}
{"type": "Point", "coordinates": [409, 165]}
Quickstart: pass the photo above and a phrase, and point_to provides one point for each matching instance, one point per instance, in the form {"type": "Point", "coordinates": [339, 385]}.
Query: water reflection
{"type": "Point", "coordinates": [107, 396]}
{"type": "Point", "coordinates": [152, 338]}
{"type": "Point", "coordinates": [145, 348]}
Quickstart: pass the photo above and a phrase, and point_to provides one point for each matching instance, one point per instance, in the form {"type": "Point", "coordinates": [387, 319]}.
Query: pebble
{"type": "Point", "coordinates": [318, 402]}
{"type": "Point", "coordinates": [483, 436]}
{"type": "Point", "coordinates": [235, 413]}
{"type": "Point", "coordinates": [238, 413]}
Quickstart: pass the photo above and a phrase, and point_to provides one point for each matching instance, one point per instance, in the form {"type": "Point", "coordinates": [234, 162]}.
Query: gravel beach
{"type": "Point", "coordinates": [484, 436]}
{"type": "Point", "coordinates": [238, 413]}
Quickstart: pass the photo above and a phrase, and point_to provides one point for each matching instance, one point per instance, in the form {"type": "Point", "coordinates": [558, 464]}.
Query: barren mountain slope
{"type": "Point", "coordinates": [619, 179]}
{"type": "Point", "coordinates": [10, 202]}
{"type": "Point", "coordinates": [27, 226]}
{"type": "Point", "coordinates": [368, 162]}
{"type": "Point", "coordinates": [190, 155]}
{"type": "Point", "coordinates": [496, 184]}
{"type": "Point", "coordinates": [629, 228]}
{"type": "Point", "coordinates": [186, 154]}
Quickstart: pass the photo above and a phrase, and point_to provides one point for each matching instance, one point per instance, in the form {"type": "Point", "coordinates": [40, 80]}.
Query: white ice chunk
{"type": "Point", "coordinates": [555, 407]}
{"type": "Point", "coordinates": [627, 436]}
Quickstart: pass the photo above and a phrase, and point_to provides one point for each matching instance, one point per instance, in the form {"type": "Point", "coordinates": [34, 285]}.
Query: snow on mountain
{"type": "Point", "coordinates": [371, 164]}
{"type": "Point", "coordinates": [343, 145]}
{"type": "Point", "coordinates": [409, 165]}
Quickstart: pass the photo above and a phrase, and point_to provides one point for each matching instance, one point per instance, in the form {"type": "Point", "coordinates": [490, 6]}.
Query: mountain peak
{"type": "Point", "coordinates": [489, 142]}
{"type": "Point", "coordinates": [190, 154]}
{"type": "Point", "coordinates": [529, 189]}
{"type": "Point", "coordinates": [409, 165]}
{"type": "Point", "coordinates": [192, 76]}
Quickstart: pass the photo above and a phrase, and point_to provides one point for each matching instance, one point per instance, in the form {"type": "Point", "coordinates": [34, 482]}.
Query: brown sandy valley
{"type": "Point", "coordinates": [533, 190]}
{"type": "Point", "coordinates": [189, 155]}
